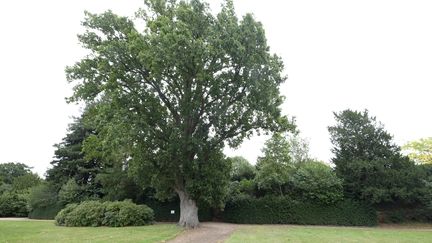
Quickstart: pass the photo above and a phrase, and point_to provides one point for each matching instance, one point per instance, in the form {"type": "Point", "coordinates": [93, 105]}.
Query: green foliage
{"type": "Point", "coordinates": [389, 181]}
{"type": "Point", "coordinates": [275, 167]}
{"type": "Point", "coordinates": [43, 202]}
{"type": "Point", "coordinates": [241, 189]}
{"type": "Point", "coordinates": [370, 164]}
{"type": "Point", "coordinates": [70, 161]}
{"type": "Point", "coordinates": [42, 196]}
{"type": "Point", "coordinates": [126, 213]}
{"type": "Point", "coordinates": [358, 136]}
{"type": "Point", "coordinates": [298, 148]}
{"type": "Point", "coordinates": [317, 183]}
{"type": "Point", "coordinates": [9, 171]}
{"type": "Point", "coordinates": [283, 210]}
{"type": "Point", "coordinates": [114, 214]}
{"type": "Point", "coordinates": [48, 212]}
{"type": "Point", "coordinates": [399, 214]}
{"type": "Point", "coordinates": [5, 188]}
{"type": "Point", "coordinates": [60, 218]}
{"type": "Point", "coordinates": [70, 192]}
{"type": "Point", "coordinates": [13, 204]}
{"type": "Point", "coordinates": [171, 96]}
{"type": "Point", "coordinates": [420, 151]}
{"type": "Point", "coordinates": [87, 213]}
{"type": "Point", "coordinates": [241, 169]}
{"type": "Point", "coordinates": [117, 185]}
{"type": "Point", "coordinates": [26, 181]}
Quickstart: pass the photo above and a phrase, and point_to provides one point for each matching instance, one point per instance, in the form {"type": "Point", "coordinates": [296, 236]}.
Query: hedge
{"type": "Point", "coordinates": [280, 210]}
{"type": "Point", "coordinates": [399, 215]}
{"type": "Point", "coordinates": [162, 211]}
{"type": "Point", "coordinates": [114, 214]}
{"type": "Point", "coordinates": [45, 213]}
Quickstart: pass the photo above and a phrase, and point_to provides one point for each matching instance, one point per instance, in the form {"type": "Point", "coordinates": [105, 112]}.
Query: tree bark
{"type": "Point", "coordinates": [188, 211]}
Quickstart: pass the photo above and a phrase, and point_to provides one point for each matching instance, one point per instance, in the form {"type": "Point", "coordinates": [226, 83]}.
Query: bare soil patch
{"type": "Point", "coordinates": [208, 232]}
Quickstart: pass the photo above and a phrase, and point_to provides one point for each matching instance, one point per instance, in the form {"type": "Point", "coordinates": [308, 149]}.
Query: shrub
{"type": "Point", "coordinates": [88, 213]}
{"type": "Point", "coordinates": [60, 218]}
{"type": "Point", "coordinates": [114, 214]}
{"type": "Point", "coordinates": [283, 210]}
{"type": "Point", "coordinates": [241, 188]}
{"type": "Point", "coordinates": [13, 205]}
{"type": "Point", "coordinates": [315, 182]}
{"type": "Point", "coordinates": [126, 213]}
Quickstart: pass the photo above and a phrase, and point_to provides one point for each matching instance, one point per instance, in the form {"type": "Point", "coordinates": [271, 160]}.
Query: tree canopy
{"type": "Point", "coordinates": [420, 151]}
{"type": "Point", "coordinates": [169, 96]}
{"type": "Point", "coordinates": [70, 161]}
{"type": "Point", "coordinates": [10, 171]}
{"type": "Point", "coordinates": [370, 163]}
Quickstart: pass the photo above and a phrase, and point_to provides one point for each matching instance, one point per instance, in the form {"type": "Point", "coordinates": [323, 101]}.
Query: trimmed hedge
{"type": "Point", "coordinates": [114, 214]}
{"type": "Point", "coordinates": [162, 211]}
{"type": "Point", "coordinates": [400, 215]}
{"type": "Point", "coordinates": [280, 210]}
{"type": "Point", "coordinates": [45, 213]}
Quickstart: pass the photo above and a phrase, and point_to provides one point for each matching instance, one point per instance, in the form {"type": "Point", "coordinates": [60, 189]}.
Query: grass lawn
{"type": "Point", "coordinates": [274, 234]}
{"type": "Point", "coordinates": [46, 231]}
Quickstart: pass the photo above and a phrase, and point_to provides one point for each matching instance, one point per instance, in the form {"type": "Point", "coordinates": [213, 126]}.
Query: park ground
{"type": "Point", "coordinates": [46, 231]}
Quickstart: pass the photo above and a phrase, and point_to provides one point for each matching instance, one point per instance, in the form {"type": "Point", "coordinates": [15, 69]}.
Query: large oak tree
{"type": "Point", "coordinates": [169, 94]}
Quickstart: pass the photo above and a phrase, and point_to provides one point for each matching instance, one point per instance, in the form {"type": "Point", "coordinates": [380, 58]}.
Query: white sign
{"type": "Point", "coordinates": [172, 211]}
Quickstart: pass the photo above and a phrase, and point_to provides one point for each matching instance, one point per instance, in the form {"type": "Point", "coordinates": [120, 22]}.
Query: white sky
{"type": "Point", "coordinates": [338, 54]}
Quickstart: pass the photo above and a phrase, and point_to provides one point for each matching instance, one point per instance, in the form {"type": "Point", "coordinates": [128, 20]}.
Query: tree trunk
{"type": "Point", "coordinates": [188, 211]}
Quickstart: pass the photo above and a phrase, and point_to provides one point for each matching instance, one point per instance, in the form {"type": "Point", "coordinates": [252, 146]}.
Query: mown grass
{"type": "Point", "coordinates": [46, 231]}
{"type": "Point", "coordinates": [275, 234]}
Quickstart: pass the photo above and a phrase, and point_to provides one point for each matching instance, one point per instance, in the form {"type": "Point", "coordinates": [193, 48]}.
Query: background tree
{"type": "Point", "coordinates": [171, 96]}
{"type": "Point", "coordinates": [43, 201]}
{"type": "Point", "coordinates": [10, 171]}
{"type": "Point", "coordinates": [16, 181]}
{"type": "Point", "coordinates": [299, 148]}
{"type": "Point", "coordinates": [242, 178]}
{"type": "Point", "coordinates": [25, 182]}
{"type": "Point", "coordinates": [370, 164]}
{"type": "Point", "coordinates": [314, 181]}
{"type": "Point", "coordinates": [358, 136]}
{"type": "Point", "coordinates": [420, 151]}
{"type": "Point", "coordinates": [70, 161]}
{"type": "Point", "coordinates": [241, 169]}
{"type": "Point", "coordinates": [275, 167]}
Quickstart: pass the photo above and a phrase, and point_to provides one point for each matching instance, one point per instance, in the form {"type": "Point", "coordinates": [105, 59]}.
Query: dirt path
{"type": "Point", "coordinates": [208, 232]}
{"type": "Point", "coordinates": [14, 219]}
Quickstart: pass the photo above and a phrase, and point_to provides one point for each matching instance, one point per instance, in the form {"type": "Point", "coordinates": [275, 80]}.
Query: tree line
{"type": "Point", "coordinates": [367, 166]}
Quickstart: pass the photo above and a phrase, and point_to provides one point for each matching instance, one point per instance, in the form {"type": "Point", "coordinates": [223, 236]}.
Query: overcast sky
{"type": "Point", "coordinates": [368, 54]}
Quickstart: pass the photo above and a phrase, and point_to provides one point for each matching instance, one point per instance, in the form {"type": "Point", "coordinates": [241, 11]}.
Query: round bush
{"type": "Point", "coordinates": [60, 218]}
{"type": "Point", "coordinates": [88, 213]}
{"type": "Point", "coordinates": [13, 205]}
{"type": "Point", "coordinates": [126, 213]}
{"type": "Point", "coordinates": [114, 214]}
